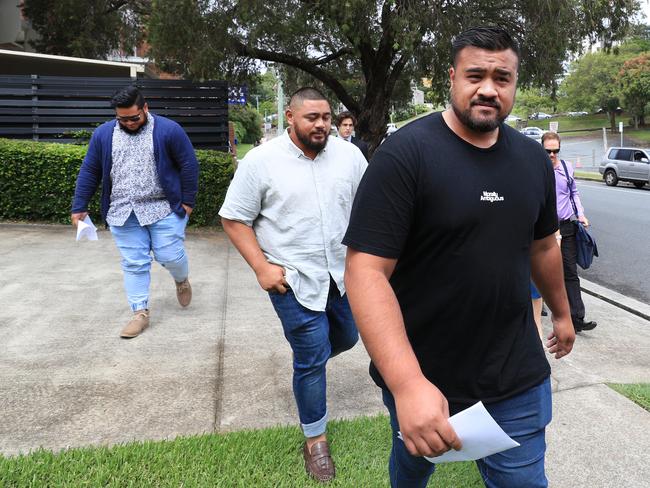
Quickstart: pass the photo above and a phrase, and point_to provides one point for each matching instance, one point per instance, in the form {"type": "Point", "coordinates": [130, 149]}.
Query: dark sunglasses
{"type": "Point", "coordinates": [129, 118]}
{"type": "Point", "coordinates": [552, 151]}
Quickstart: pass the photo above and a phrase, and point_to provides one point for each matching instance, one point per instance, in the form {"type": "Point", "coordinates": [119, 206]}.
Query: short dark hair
{"type": "Point", "coordinates": [127, 97]}
{"type": "Point", "coordinates": [551, 136]}
{"type": "Point", "coordinates": [345, 115]}
{"type": "Point", "coordinates": [306, 93]}
{"type": "Point", "coordinates": [490, 38]}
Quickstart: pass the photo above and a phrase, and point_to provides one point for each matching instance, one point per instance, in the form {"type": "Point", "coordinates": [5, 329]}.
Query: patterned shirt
{"type": "Point", "coordinates": [136, 187]}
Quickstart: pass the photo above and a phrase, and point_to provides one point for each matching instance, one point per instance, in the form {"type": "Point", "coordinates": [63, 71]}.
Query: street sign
{"type": "Point", "coordinates": [553, 126]}
{"type": "Point", "coordinates": [620, 129]}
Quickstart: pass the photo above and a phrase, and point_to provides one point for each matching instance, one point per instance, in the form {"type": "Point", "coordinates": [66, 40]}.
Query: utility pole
{"type": "Point", "coordinates": [280, 106]}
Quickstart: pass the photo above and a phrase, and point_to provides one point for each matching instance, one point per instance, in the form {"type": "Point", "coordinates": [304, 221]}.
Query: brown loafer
{"type": "Point", "coordinates": [184, 292]}
{"type": "Point", "coordinates": [319, 463]}
{"type": "Point", "coordinates": [136, 325]}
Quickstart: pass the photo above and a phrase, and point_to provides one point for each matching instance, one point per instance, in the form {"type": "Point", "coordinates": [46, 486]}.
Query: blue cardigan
{"type": "Point", "coordinates": [178, 169]}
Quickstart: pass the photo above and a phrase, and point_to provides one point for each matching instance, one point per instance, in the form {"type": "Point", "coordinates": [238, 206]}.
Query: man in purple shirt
{"type": "Point", "coordinates": [565, 187]}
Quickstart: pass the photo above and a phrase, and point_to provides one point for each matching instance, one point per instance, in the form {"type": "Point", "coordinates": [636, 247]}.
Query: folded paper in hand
{"type": "Point", "coordinates": [480, 434]}
{"type": "Point", "coordinates": [86, 230]}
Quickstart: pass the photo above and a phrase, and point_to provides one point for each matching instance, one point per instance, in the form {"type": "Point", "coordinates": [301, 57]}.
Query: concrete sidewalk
{"type": "Point", "coordinates": [67, 379]}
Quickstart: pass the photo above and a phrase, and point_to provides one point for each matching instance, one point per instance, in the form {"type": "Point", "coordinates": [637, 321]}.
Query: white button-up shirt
{"type": "Point", "coordinates": [299, 210]}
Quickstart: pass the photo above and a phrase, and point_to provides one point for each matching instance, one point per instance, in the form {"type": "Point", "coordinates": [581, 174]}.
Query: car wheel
{"type": "Point", "coordinates": [639, 184]}
{"type": "Point", "coordinates": [610, 178]}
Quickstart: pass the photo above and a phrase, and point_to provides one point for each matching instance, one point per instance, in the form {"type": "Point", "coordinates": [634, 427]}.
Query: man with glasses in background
{"type": "Point", "coordinates": [149, 176]}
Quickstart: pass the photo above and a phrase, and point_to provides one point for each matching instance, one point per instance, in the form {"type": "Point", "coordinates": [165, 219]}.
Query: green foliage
{"type": "Point", "coordinates": [591, 83]}
{"type": "Point", "coordinates": [365, 52]}
{"type": "Point", "coordinates": [256, 458]}
{"type": "Point", "coordinates": [80, 136]}
{"type": "Point", "coordinates": [37, 182]}
{"type": "Point", "coordinates": [250, 120]}
{"type": "Point", "coordinates": [268, 107]}
{"type": "Point", "coordinates": [529, 101]}
{"type": "Point", "coordinates": [216, 169]}
{"type": "Point", "coordinates": [86, 28]}
{"type": "Point", "coordinates": [409, 111]}
{"type": "Point", "coordinates": [240, 131]}
{"type": "Point", "coordinates": [634, 85]}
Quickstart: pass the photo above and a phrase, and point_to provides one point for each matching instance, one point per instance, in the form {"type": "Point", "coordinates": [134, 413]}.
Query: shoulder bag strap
{"type": "Point", "coordinates": [570, 184]}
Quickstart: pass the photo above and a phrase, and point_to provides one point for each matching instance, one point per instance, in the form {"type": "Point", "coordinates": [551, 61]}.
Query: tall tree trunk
{"type": "Point", "coordinates": [372, 119]}
{"type": "Point", "coordinates": [612, 121]}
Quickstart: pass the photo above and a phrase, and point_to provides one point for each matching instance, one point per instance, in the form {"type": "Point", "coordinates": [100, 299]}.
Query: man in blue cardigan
{"type": "Point", "coordinates": [149, 176]}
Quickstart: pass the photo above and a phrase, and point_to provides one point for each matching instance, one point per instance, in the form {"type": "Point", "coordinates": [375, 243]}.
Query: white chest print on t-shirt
{"type": "Point", "coordinates": [491, 196]}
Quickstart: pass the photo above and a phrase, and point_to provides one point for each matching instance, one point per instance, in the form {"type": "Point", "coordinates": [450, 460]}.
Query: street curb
{"type": "Point", "coordinates": [630, 305]}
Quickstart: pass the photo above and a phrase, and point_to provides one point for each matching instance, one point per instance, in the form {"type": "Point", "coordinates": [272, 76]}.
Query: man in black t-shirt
{"type": "Point", "coordinates": [453, 216]}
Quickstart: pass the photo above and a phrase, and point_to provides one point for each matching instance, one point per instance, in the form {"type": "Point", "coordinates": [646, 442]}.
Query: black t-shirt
{"type": "Point", "coordinates": [460, 221]}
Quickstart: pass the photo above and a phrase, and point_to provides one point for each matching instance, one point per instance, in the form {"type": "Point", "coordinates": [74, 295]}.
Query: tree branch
{"type": "Point", "coordinates": [326, 59]}
{"type": "Point", "coordinates": [307, 66]}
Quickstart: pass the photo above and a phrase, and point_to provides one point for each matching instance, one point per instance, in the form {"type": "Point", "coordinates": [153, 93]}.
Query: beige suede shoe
{"type": "Point", "coordinates": [136, 325]}
{"type": "Point", "coordinates": [184, 292]}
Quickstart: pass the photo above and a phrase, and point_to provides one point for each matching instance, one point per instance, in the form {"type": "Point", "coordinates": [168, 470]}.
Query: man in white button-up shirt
{"type": "Point", "coordinates": [286, 211]}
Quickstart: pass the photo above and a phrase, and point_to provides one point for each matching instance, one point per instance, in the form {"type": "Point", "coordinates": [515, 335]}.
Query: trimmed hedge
{"type": "Point", "coordinates": [37, 182]}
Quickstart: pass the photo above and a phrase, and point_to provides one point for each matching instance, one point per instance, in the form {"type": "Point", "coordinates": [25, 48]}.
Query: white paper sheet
{"type": "Point", "coordinates": [86, 230]}
{"type": "Point", "coordinates": [480, 434]}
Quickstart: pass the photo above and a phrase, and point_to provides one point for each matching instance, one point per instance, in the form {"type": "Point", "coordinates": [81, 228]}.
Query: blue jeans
{"type": "Point", "coordinates": [523, 417]}
{"type": "Point", "coordinates": [314, 338]}
{"type": "Point", "coordinates": [135, 242]}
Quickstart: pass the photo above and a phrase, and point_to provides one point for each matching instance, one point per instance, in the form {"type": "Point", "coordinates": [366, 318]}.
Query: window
{"type": "Point", "coordinates": [621, 154]}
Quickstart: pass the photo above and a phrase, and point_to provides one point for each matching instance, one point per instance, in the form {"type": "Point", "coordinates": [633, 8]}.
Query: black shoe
{"type": "Point", "coordinates": [580, 325]}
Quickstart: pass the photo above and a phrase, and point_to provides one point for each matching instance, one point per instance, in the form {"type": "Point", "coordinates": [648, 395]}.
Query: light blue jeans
{"type": "Point", "coordinates": [315, 337]}
{"type": "Point", "coordinates": [523, 417]}
{"type": "Point", "coordinates": [165, 238]}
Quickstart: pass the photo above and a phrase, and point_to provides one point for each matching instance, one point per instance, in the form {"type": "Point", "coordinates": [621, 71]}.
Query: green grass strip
{"type": "Point", "coordinates": [242, 149]}
{"type": "Point", "coordinates": [639, 393]}
{"type": "Point", "coordinates": [256, 458]}
{"type": "Point", "coordinates": [588, 175]}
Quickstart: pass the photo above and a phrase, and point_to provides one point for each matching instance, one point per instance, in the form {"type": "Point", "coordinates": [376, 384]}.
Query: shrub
{"type": "Point", "coordinates": [37, 182]}
{"type": "Point", "coordinates": [250, 119]}
{"type": "Point", "coordinates": [240, 131]}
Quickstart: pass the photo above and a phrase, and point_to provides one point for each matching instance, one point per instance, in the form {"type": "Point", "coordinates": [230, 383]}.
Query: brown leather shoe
{"type": "Point", "coordinates": [184, 292]}
{"type": "Point", "coordinates": [319, 463]}
{"type": "Point", "coordinates": [136, 325]}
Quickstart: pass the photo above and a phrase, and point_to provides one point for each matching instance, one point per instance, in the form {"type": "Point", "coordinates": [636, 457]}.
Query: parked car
{"type": "Point", "coordinates": [626, 164]}
{"type": "Point", "coordinates": [533, 132]}
{"type": "Point", "coordinates": [576, 114]}
{"type": "Point", "coordinates": [512, 118]}
{"type": "Point", "coordinates": [540, 116]}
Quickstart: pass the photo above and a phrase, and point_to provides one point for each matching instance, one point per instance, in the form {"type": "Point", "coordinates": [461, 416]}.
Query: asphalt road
{"type": "Point", "coordinates": [586, 152]}
{"type": "Point", "coordinates": [620, 222]}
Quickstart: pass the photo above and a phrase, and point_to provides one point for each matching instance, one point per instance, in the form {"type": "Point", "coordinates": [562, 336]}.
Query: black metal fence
{"type": "Point", "coordinates": [65, 109]}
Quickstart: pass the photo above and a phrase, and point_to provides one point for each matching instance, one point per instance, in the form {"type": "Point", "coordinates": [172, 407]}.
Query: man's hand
{"type": "Point", "coordinates": [271, 278]}
{"type": "Point", "coordinates": [423, 417]}
{"type": "Point", "coordinates": [560, 341]}
{"type": "Point", "coordinates": [584, 220]}
{"type": "Point", "coordinates": [76, 217]}
{"type": "Point", "coordinates": [188, 209]}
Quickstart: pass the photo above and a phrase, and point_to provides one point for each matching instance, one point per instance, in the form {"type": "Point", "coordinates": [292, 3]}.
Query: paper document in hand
{"type": "Point", "coordinates": [480, 434]}
{"type": "Point", "coordinates": [86, 230]}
